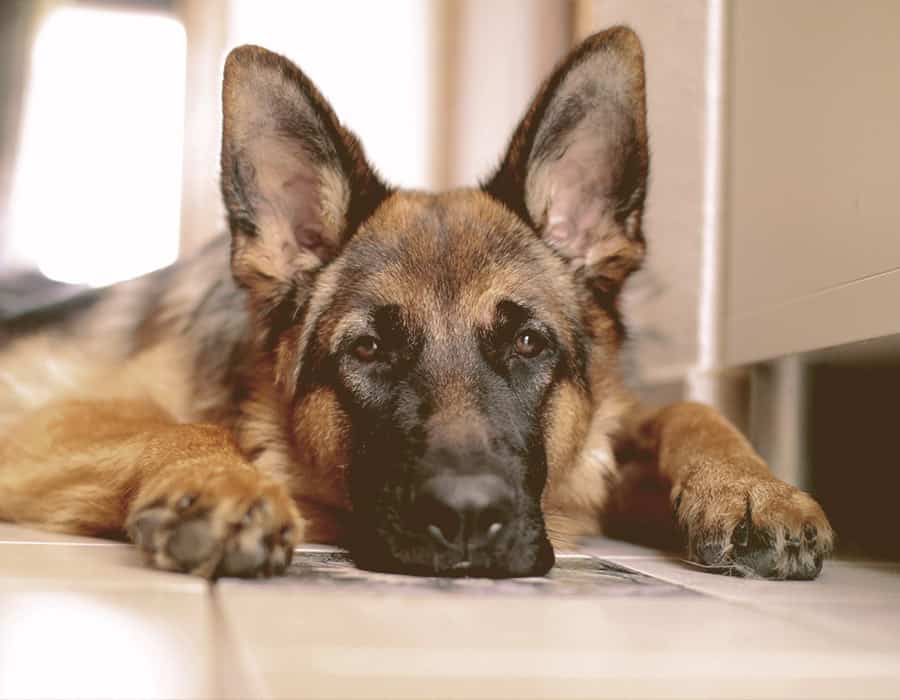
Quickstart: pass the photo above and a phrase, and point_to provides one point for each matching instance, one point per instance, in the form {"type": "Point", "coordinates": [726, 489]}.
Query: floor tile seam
{"type": "Point", "coordinates": [805, 621]}
{"type": "Point", "coordinates": [251, 673]}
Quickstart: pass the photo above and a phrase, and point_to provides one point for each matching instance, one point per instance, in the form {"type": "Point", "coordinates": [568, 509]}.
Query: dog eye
{"type": "Point", "coordinates": [529, 344]}
{"type": "Point", "coordinates": [366, 349]}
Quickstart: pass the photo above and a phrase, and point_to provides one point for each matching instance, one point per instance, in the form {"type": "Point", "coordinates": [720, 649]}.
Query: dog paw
{"type": "Point", "coordinates": [230, 523]}
{"type": "Point", "coordinates": [753, 526]}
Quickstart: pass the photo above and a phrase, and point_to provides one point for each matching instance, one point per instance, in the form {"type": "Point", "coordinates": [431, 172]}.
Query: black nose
{"type": "Point", "coordinates": [464, 512]}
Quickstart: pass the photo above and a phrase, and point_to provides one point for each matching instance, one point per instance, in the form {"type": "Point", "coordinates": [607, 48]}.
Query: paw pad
{"type": "Point", "coordinates": [211, 535]}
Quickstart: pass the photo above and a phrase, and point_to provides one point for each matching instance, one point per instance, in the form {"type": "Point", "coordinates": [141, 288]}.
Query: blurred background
{"type": "Point", "coordinates": [773, 279]}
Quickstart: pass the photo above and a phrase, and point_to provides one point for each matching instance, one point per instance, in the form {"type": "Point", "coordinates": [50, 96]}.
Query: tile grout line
{"type": "Point", "coordinates": [252, 683]}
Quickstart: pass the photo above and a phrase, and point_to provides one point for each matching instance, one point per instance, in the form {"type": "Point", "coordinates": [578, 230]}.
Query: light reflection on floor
{"type": "Point", "coordinates": [54, 642]}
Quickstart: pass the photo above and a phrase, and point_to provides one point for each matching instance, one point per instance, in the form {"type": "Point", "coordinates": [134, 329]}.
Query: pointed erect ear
{"type": "Point", "coordinates": [296, 183]}
{"type": "Point", "coordinates": [576, 168]}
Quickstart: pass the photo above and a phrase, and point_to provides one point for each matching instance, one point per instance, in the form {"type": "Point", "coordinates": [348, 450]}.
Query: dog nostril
{"type": "Point", "coordinates": [437, 535]}
{"type": "Point", "coordinates": [490, 522]}
{"type": "Point", "coordinates": [464, 511]}
{"type": "Point", "coordinates": [442, 523]}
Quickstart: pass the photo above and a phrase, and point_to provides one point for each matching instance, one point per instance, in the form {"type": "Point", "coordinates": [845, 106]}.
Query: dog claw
{"type": "Point", "coordinates": [810, 533]}
{"type": "Point", "coordinates": [185, 502]}
{"type": "Point", "coordinates": [741, 535]}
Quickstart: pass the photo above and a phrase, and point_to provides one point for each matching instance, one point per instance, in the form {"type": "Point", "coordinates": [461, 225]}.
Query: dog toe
{"type": "Point", "coordinates": [244, 560]}
{"type": "Point", "coordinates": [191, 543]}
{"type": "Point", "coordinates": [144, 526]}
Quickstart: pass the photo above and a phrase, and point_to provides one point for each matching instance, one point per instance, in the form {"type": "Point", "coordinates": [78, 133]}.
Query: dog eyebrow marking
{"type": "Point", "coordinates": [508, 311]}
{"type": "Point", "coordinates": [354, 323]}
{"type": "Point", "coordinates": [385, 321]}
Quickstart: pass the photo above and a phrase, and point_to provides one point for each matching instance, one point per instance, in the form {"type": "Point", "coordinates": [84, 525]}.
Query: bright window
{"type": "Point", "coordinates": [373, 61]}
{"type": "Point", "coordinates": [97, 192]}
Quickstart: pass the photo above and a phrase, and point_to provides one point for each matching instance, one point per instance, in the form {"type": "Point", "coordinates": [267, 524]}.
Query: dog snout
{"type": "Point", "coordinates": [466, 513]}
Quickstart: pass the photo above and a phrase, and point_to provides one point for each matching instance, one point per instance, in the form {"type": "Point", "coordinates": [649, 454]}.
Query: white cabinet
{"type": "Point", "coordinates": [812, 175]}
{"type": "Point", "coordinates": [774, 208]}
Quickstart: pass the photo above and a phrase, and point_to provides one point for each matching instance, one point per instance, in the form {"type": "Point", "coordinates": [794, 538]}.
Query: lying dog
{"type": "Point", "coordinates": [431, 379]}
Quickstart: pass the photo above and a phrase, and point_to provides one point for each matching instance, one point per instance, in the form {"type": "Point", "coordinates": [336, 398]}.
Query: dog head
{"type": "Point", "coordinates": [439, 355]}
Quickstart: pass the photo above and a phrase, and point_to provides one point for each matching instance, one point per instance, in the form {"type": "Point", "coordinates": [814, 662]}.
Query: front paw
{"type": "Point", "coordinates": [226, 523]}
{"type": "Point", "coordinates": [753, 526]}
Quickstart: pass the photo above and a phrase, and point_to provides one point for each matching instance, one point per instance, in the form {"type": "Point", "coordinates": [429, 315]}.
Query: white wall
{"type": "Point", "coordinates": [663, 302]}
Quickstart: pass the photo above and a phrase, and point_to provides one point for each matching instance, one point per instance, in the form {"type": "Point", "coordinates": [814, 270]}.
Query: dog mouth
{"type": "Point", "coordinates": [476, 535]}
{"type": "Point", "coordinates": [408, 562]}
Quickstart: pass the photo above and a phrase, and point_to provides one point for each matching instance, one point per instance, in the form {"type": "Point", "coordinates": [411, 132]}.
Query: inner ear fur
{"type": "Point", "coordinates": [576, 166]}
{"type": "Point", "coordinates": [296, 183]}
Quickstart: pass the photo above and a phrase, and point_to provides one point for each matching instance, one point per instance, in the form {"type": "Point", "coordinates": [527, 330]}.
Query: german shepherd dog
{"type": "Point", "coordinates": [430, 379]}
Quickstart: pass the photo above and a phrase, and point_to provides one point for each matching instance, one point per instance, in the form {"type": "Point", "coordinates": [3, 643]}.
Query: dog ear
{"type": "Point", "coordinates": [296, 183]}
{"type": "Point", "coordinates": [576, 167]}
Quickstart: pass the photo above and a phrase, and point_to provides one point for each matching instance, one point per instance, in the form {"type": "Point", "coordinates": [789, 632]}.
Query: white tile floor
{"type": "Point", "coordinates": [85, 618]}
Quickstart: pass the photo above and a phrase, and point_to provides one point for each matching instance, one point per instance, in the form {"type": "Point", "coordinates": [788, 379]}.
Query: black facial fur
{"type": "Point", "coordinates": [405, 433]}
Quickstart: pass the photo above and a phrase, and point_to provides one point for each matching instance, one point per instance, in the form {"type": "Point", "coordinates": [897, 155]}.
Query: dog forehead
{"type": "Point", "coordinates": [460, 251]}
{"type": "Point", "coordinates": [462, 224]}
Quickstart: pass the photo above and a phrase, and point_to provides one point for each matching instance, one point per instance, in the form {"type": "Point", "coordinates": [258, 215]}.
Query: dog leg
{"type": "Point", "coordinates": [735, 513]}
{"type": "Point", "coordinates": [183, 492]}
